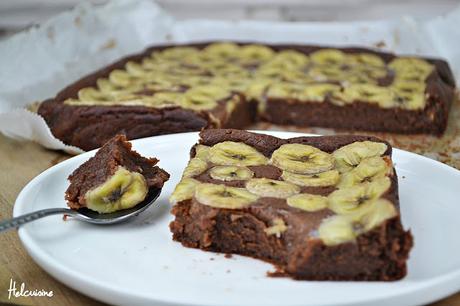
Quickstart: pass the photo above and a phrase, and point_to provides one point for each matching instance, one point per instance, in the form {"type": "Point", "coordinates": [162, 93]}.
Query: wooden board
{"type": "Point", "coordinates": [20, 161]}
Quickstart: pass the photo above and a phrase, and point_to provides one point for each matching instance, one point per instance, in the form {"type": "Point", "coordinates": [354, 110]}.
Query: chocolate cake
{"type": "Point", "coordinates": [318, 208]}
{"type": "Point", "coordinates": [171, 89]}
{"type": "Point", "coordinates": [115, 178]}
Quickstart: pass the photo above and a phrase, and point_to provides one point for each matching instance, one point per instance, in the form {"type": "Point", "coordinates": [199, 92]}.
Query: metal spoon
{"type": "Point", "coordinates": [84, 214]}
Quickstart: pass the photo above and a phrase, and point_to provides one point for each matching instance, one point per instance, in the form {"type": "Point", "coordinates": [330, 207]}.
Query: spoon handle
{"type": "Point", "coordinates": [18, 221]}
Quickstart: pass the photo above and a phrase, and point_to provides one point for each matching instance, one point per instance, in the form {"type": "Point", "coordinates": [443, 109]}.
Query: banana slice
{"type": "Point", "coordinates": [308, 202]}
{"type": "Point", "coordinates": [318, 92]}
{"type": "Point", "coordinates": [90, 94]}
{"type": "Point", "coordinates": [204, 97]}
{"type": "Point", "coordinates": [175, 53]}
{"type": "Point", "coordinates": [349, 156]}
{"type": "Point", "coordinates": [184, 190]}
{"type": "Point", "coordinates": [227, 70]}
{"type": "Point", "coordinates": [208, 92]}
{"type": "Point", "coordinates": [285, 90]}
{"type": "Point", "coordinates": [195, 167]}
{"type": "Point", "coordinates": [221, 196]}
{"type": "Point", "coordinates": [123, 78]}
{"type": "Point", "coordinates": [352, 199]}
{"type": "Point", "coordinates": [202, 152]}
{"type": "Point", "coordinates": [223, 50]}
{"type": "Point", "coordinates": [345, 228]}
{"type": "Point", "coordinates": [409, 95]}
{"type": "Point", "coordinates": [107, 87]}
{"type": "Point", "coordinates": [256, 88]}
{"type": "Point", "coordinates": [136, 69]}
{"type": "Point", "coordinates": [336, 229]}
{"type": "Point", "coordinates": [368, 170]}
{"type": "Point", "coordinates": [322, 179]}
{"type": "Point", "coordinates": [370, 93]}
{"type": "Point", "coordinates": [375, 214]}
{"type": "Point", "coordinates": [302, 159]}
{"type": "Point", "coordinates": [229, 153]}
{"type": "Point", "coordinates": [289, 59]}
{"type": "Point", "coordinates": [302, 92]}
{"type": "Point", "coordinates": [265, 187]}
{"type": "Point", "coordinates": [163, 99]}
{"type": "Point", "coordinates": [365, 59]}
{"type": "Point", "coordinates": [270, 71]}
{"type": "Point", "coordinates": [230, 173]}
{"type": "Point", "coordinates": [371, 72]}
{"type": "Point", "coordinates": [255, 53]}
{"type": "Point", "coordinates": [328, 57]}
{"type": "Point", "coordinates": [277, 228]}
{"type": "Point", "coordinates": [326, 73]}
{"type": "Point", "coordinates": [411, 65]}
{"type": "Point", "coordinates": [231, 83]}
{"type": "Point", "coordinates": [124, 189]}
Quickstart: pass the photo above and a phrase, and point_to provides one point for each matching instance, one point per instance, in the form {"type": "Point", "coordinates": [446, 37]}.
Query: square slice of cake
{"type": "Point", "coordinates": [318, 208]}
{"type": "Point", "coordinates": [116, 178]}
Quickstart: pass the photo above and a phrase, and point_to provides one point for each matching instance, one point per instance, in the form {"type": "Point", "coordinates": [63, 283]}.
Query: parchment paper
{"type": "Point", "coordinates": [37, 63]}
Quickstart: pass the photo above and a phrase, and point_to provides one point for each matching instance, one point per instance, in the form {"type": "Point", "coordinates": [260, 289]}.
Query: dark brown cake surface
{"type": "Point", "coordinates": [116, 157]}
{"type": "Point", "coordinates": [171, 89]}
{"type": "Point", "coordinates": [282, 201]}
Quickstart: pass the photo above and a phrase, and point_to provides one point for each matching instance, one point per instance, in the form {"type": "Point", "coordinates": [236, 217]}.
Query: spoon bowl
{"type": "Point", "coordinates": [85, 214]}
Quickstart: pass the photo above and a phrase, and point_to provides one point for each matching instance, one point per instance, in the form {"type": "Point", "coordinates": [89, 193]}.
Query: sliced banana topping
{"type": "Point", "coordinates": [322, 179]}
{"type": "Point", "coordinates": [204, 97]}
{"type": "Point", "coordinates": [368, 170]}
{"type": "Point", "coordinates": [278, 227]}
{"type": "Point", "coordinates": [302, 159]}
{"type": "Point", "coordinates": [302, 92]}
{"type": "Point", "coordinates": [175, 53]}
{"type": "Point", "coordinates": [345, 228]}
{"type": "Point", "coordinates": [349, 156]}
{"type": "Point", "coordinates": [255, 53]}
{"type": "Point", "coordinates": [336, 229]}
{"type": "Point", "coordinates": [308, 202]}
{"type": "Point", "coordinates": [124, 189]}
{"type": "Point", "coordinates": [366, 59]}
{"type": "Point", "coordinates": [265, 187]}
{"type": "Point", "coordinates": [290, 59]}
{"type": "Point", "coordinates": [225, 50]}
{"type": "Point", "coordinates": [411, 65]}
{"type": "Point", "coordinates": [202, 152]}
{"type": "Point", "coordinates": [374, 215]}
{"type": "Point", "coordinates": [195, 167]}
{"type": "Point", "coordinates": [230, 173]}
{"type": "Point", "coordinates": [199, 79]}
{"type": "Point", "coordinates": [352, 199]}
{"type": "Point", "coordinates": [164, 99]}
{"type": "Point", "coordinates": [328, 57]}
{"type": "Point", "coordinates": [221, 196]}
{"type": "Point", "coordinates": [368, 93]}
{"type": "Point", "coordinates": [231, 153]}
{"type": "Point", "coordinates": [185, 190]}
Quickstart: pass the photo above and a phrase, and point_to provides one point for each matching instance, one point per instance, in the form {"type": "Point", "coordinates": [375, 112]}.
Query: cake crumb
{"type": "Point", "coordinates": [212, 258]}
{"type": "Point", "coordinates": [228, 255]}
{"type": "Point", "coordinates": [276, 273]}
{"type": "Point", "coordinates": [380, 44]}
{"type": "Point", "coordinates": [228, 271]}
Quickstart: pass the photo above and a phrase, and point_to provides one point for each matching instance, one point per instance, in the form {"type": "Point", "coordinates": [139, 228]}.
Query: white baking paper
{"type": "Point", "coordinates": [37, 63]}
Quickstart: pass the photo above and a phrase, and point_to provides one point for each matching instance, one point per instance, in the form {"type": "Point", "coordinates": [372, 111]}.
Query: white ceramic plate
{"type": "Point", "coordinates": [138, 263]}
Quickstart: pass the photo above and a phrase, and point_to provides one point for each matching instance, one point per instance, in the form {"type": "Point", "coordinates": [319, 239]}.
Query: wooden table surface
{"type": "Point", "coordinates": [20, 161]}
